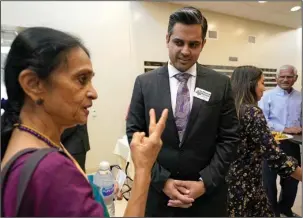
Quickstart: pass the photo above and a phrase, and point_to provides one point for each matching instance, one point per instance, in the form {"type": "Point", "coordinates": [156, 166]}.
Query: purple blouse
{"type": "Point", "coordinates": [56, 188]}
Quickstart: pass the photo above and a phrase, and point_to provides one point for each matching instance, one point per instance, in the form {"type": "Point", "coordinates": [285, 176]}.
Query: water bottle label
{"type": "Point", "coordinates": [107, 191]}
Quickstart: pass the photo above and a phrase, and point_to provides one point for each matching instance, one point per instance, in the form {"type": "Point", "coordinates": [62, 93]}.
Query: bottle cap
{"type": "Point", "coordinates": [104, 165]}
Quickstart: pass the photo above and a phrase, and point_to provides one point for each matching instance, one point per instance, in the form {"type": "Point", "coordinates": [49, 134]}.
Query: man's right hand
{"type": "Point", "coordinates": [171, 190]}
{"type": "Point", "coordinates": [293, 130]}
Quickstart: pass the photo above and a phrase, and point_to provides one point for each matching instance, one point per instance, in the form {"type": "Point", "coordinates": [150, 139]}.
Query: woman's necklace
{"type": "Point", "coordinates": [49, 142]}
{"type": "Point", "coordinates": [38, 135]}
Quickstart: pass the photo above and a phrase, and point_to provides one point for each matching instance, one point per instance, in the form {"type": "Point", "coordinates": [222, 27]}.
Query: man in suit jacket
{"type": "Point", "coordinates": [201, 134]}
{"type": "Point", "coordinates": [75, 140]}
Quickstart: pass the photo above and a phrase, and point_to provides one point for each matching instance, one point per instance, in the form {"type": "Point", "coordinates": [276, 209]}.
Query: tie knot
{"type": "Point", "coordinates": [182, 77]}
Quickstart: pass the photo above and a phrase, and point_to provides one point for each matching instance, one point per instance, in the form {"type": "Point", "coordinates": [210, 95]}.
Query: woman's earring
{"type": "Point", "coordinates": [39, 101]}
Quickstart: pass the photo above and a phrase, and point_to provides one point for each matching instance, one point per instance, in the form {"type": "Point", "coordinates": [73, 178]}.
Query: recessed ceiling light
{"type": "Point", "coordinates": [262, 1]}
{"type": "Point", "coordinates": [296, 8]}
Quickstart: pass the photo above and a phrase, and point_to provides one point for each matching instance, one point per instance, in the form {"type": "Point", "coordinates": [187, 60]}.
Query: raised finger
{"type": "Point", "coordinates": [152, 121]}
{"type": "Point", "coordinates": [160, 126]}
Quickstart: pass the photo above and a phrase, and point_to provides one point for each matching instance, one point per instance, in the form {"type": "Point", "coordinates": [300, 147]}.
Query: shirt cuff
{"type": "Point", "coordinates": [278, 127]}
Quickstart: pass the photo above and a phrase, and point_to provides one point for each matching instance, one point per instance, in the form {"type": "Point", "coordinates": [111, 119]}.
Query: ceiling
{"type": "Point", "coordinates": [273, 12]}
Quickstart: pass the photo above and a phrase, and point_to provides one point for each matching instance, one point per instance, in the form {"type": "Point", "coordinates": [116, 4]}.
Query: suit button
{"type": "Point", "coordinates": [178, 173]}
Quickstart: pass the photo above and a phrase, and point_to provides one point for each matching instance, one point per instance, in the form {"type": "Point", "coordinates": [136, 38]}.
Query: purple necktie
{"type": "Point", "coordinates": [182, 103]}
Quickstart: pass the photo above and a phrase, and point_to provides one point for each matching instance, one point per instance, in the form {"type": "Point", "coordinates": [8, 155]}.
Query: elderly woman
{"type": "Point", "coordinates": [48, 76]}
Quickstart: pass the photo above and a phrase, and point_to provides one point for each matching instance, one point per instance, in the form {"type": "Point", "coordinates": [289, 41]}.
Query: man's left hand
{"type": "Point", "coordinates": [196, 189]}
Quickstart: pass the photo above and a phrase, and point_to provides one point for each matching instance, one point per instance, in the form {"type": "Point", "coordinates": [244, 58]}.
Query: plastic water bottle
{"type": "Point", "coordinates": [106, 183]}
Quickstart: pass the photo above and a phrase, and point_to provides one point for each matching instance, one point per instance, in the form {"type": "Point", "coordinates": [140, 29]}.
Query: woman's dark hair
{"type": "Point", "coordinates": [188, 16]}
{"type": "Point", "coordinates": [244, 81]}
{"type": "Point", "coordinates": [41, 50]}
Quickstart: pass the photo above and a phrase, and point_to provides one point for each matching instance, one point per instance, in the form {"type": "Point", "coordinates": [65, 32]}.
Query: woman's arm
{"type": "Point", "coordinates": [260, 133]}
{"type": "Point", "coordinates": [297, 174]}
{"type": "Point", "coordinates": [144, 151]}
{"type": "Point", "coordinates": [137, 202]}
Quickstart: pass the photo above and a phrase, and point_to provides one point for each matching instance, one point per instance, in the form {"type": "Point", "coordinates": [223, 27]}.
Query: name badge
{"type": "Point", "coordinates": [202, 94]}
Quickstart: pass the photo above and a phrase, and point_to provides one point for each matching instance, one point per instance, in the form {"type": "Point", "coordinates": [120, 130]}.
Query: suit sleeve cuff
{"type": "Point", "coordinates": [207, 180]}
{"type": "Point", "coordinates": [159, 183]}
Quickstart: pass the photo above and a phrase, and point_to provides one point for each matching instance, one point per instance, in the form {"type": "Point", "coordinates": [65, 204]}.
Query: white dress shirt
{"type": "Point", "coordinates": [174, 83]}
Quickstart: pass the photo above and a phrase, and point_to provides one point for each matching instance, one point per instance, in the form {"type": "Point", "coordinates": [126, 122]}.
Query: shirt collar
{"type": "Point", "coordinates": [282, 91]}
{"type": "Point", "coordinates": [172, 71]}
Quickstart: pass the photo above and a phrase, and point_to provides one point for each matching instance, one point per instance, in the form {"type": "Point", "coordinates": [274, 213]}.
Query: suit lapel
{"type": "Point", "coordinates": [165, 98]}
{"type": "Point", "coordinates": [201, 83]}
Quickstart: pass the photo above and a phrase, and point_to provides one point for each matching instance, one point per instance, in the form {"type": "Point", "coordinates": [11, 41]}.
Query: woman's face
{"type": "Point", "coordinates": [260, 88]}
{"type": "Point", "coordinates": [70, 91]}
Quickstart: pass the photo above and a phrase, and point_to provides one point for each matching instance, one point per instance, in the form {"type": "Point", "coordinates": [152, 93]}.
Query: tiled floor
{"type": "Point", "coordinates": [121, 205]}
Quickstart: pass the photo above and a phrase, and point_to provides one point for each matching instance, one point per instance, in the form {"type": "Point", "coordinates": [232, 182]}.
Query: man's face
{"type": "Point", "coordinates": [286, 79]}
{"type": "Point", "coordinates": [184, 45]}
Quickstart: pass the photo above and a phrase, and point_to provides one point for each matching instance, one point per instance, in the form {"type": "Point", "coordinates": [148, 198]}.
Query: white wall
{"type": "Point", "coordinates": [298, 58]}
{"type": "Point", "coordinates": [274, 46]}
{"type": "Point", "coordinates": [122, 35]}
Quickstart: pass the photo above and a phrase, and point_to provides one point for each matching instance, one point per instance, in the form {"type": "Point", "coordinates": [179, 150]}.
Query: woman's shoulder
{"type": "Point", "coordinates": [53, 166]}
{"type": "Point", "coordinates": [55, 180]}
{"type": "Point", "coordinates": [51, 162]}
{"type": "Point", "coordinates": [55, 161]}
{"type": "Point", "coordinates": [47, 166]}
{"type": "Point", "coordinates": [249, 110]}
{"type": "Point", "coordinates": [251, 107]}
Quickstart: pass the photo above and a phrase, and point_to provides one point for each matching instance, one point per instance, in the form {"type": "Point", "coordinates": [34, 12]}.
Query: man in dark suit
{"type": "Point", "coordinates": [76, 142]}
{"type": "Point", "coordinates": [201, 134]}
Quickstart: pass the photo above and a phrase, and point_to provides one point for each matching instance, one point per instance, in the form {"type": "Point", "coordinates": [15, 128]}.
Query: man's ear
{"type": "Point", "coordinates": [203, 44]}
{"type": "Point", "coordinates": [167, 39]}
{"type": "Point", "coordinates": [296, 77]}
